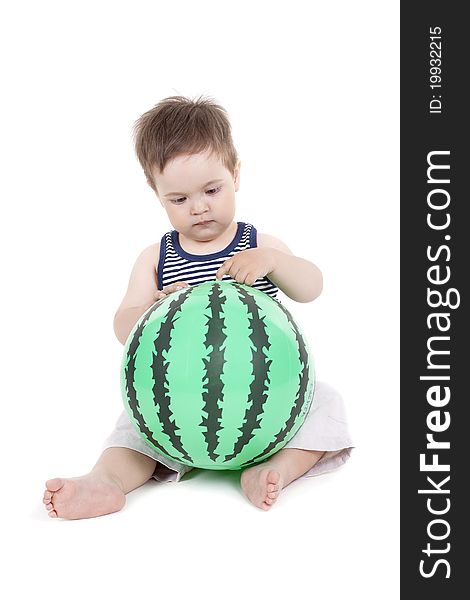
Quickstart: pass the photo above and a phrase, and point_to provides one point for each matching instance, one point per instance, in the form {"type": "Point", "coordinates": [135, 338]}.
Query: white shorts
{"type": "Point", "coordinates": [325, 428]}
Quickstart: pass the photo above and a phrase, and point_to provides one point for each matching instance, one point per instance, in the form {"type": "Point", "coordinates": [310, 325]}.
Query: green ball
{"type": "Point", "coordinates": [217, 376]}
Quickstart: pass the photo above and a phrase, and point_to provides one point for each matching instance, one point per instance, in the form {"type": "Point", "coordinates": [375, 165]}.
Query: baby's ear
{"type": "Point", "coordinates": [236, 175]}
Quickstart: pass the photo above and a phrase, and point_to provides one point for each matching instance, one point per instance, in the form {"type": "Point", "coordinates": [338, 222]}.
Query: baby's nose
{"type": "Point", "coordinates": [199, 206]}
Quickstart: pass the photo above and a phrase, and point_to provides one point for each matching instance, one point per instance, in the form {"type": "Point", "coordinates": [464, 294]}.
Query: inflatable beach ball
{"type": "Point", "coordinates": [217, 376]}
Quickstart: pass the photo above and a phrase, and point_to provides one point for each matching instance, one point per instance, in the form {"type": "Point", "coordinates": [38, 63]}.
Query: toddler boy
{"type": "Point", "coordinates": [186, 150]}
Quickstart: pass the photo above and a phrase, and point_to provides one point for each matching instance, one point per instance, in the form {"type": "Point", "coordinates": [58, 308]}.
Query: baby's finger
{"type": "Point", "coordinates": [225, 268]}
{"type": "Point", "coordinates": [159, 295]}
{"type": "Point", "coordinates": [175, 287]}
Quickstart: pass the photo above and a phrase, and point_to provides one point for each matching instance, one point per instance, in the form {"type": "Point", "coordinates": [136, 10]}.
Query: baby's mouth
{"type": "Point", "coordinates": [202, 223]}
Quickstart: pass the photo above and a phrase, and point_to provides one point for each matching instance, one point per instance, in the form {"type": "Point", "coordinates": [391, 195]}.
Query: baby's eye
{"type": "Point", "coordinates": [178, 200]}
{"type": "Point", "coordinates": [213, 191]}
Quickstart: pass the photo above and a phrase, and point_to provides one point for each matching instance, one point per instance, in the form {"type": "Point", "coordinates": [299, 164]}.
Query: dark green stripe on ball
{"type": "Point", "coordinates": [162, 347]}
{"type": "Point", "coordinates": [129, 373]}
{"type": "Point", "coordinates": [214, 368]}
{"type": "Point", "coordinates": [302, 401]}
{"type": "Point", "coordinates": [260, 365]}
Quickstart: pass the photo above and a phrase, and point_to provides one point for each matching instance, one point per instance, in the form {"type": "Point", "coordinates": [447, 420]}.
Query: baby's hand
{"type": "Point", "coordinates": [247, 266]}
{"type": "Point", "coordinates": [169, 289]}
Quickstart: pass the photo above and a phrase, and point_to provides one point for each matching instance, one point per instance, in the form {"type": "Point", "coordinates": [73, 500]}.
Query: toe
{"type": "Point", "coordinates": [273, 477]}
{"type": "Point", "coordinates": [47, 496]}
{"type": "Point", "coordinates": [272, 495]}
{"type": "Point", "coordinates": [53, 514]}
{"type": "Point", "coordinates": [54, 484]}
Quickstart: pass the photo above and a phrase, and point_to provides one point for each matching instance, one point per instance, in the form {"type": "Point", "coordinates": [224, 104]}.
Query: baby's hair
{"type": "Point", "coordinates": [179, 125]}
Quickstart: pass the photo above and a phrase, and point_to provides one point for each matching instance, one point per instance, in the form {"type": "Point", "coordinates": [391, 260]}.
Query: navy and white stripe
{"type": "Point", "coordinates": [177, 265]}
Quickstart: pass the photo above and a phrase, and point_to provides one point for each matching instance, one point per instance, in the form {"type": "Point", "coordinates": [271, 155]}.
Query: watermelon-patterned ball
{"type": "Point", "coordinates": [217, 376]}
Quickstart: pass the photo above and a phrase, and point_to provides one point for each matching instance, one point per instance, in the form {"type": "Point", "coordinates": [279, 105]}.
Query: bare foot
{"type": "Point", "coordinates": [82, 497]}
{"type": "Point", "coordinates": [261, 484]}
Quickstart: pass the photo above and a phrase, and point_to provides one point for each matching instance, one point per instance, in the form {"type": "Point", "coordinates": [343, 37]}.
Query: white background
{"type": "Point", "coordinates": [312, 92]}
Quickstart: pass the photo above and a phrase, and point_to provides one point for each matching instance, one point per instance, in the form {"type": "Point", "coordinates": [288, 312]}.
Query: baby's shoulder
{"type": "Point", "coordinates": [150, 254]}
{"type": "Point", "coordinates": [265, 240]}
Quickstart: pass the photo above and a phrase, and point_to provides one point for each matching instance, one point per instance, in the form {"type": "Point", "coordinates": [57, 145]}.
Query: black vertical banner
{"type": "Point", "coordinates": [435, 335]}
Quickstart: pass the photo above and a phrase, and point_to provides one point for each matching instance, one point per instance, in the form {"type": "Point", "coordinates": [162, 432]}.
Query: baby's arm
{"type": "Point", "coordinates": [297, 277]}
{"type": "Point", "coordinates": [142, 292]}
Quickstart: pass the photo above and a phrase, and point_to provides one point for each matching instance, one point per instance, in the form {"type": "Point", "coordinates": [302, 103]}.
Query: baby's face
{"type": "Point", "coordinates": [198, 193]}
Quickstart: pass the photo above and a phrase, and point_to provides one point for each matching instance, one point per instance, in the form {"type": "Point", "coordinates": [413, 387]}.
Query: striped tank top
{"type": "Point", "coordinates": [177, 265]}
